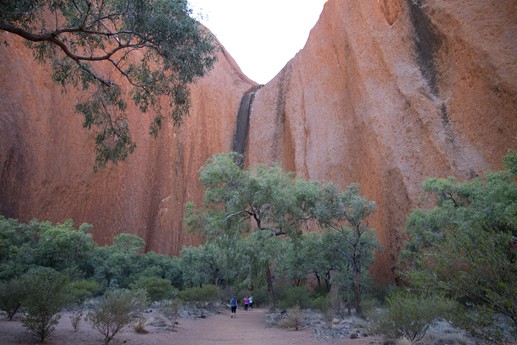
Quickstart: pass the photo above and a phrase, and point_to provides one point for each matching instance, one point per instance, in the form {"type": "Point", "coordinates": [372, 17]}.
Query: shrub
{"type": "Point", "coordinates": [295, 296]}
{"type": "Point", "coordinates": [83, 289]}
{"type": "Point", "coordinates": [139, 326]}
{"type": "Point", "coordinates": [118, 309]}
{"type": "Point", "coordinates": [157, 288]}
{"type": "Point", "coordinates": [75, 319]}
{"type": "Point", "coordinates": [11, 295]}
{"type": "Point", "coordinates": [48, 293]}
{"type": "Point", "coordinates": [260, 297]}
{"type": "Point", "coordinates": [207, 293]}
{"type": "Point", "coordinates": [293, 320]}
{"type": "Point", "coordinates": [369, 305]}
{"type": "Point", "coordinates": [410, 316]}
{"type": "Point", "coordinates": [171, 310]}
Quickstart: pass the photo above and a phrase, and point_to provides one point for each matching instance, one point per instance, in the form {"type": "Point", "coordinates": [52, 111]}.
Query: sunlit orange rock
{"type": "Point", "coordinates": [386, 93]}
{"type": "Point", "coordinates": [46, 157]}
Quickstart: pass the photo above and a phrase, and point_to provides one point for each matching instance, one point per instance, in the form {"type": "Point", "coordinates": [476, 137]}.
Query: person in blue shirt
{"type": "Point", "coordinates": [233, 305]}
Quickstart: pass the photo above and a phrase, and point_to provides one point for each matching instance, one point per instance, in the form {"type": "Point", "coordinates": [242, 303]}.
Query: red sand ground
{"type": "Point", "coordinates": [247, 329]}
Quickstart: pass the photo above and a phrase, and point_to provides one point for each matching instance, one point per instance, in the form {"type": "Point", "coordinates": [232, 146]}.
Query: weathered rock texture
{"type": "Point", "coordinates": [46, 157]}
{"type": "Point", "coordinates": [385, 93]}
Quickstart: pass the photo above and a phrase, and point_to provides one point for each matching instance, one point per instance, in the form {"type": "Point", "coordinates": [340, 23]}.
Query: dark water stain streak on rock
{"type": "Point", "coordinates": [240, 137]}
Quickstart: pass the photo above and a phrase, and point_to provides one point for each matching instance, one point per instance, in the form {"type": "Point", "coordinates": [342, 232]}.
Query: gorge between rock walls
{"type": "Point", "coordinates": [385, 93]}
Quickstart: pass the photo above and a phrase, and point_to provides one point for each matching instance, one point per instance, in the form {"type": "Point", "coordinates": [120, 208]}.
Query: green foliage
{"type": "Point", "coordinates": [270, 197]}
{"type": "Point", "coordinates": [304, 255]}
{"type": "Point", "coordinates": [119, 265]}
{"type": "Point", "coordinates": [62, 247]}
{"type": "Point", "coordinates": [344, 214]}
{"type": "Point", "coordinates": [510, 162]}
{"type": "Point", "coordinates": [464, 247]}
{"type": "Point", "coordinates": [18, 247]}
{"type": "Point", "coordinates": [410, 316]}
{"type": "Point", "coordinates": [254, 256]}
{"type": "Point", "coordinates": [157, 288]}
{"type": "Point", "coordinates": [200, 265]}
{"type": "Point", "coordinates": [46, 293]}
{"type": "Point", "coordinates": [81, 290]}
{"type": "Point", "coordinates": [12, 294]}
{"type": "Point", "coordinates": [295, 296]}
{"type": "Point", "coordinates": [155, 48]}
{"type": "Point", "coordinates": [128, 243]}
{"type": "Point", "coordinates": [246, 211]}
{"type": "Point", "coordinates": [321, 302]}
{"type": "Point", "coordinates": [118, 309]}
{"type": "Point", "coordinates": [207, 293]}
{"type": "Point", "coordinates": [59, 246]}
{"type": "Point", "coordinates": [260, 296]}
{"type": "Point", "coordinates": [162, 266]}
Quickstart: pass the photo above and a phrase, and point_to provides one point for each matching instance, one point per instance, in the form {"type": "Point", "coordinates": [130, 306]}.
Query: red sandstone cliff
{"type": "Point", "coordinates": [46, 157]}
{"type": "Point", "coordinates": [385, 93]}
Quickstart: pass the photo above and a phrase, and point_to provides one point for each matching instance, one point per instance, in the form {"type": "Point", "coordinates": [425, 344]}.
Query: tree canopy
{"type": "Point", "coordinates": [246, 210]}
{"type": "Point", "coordinates": [464, 247]}
{"type": "Point", "coordinates": [115, 50]}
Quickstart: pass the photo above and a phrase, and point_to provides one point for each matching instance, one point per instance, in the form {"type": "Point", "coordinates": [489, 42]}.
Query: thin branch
{"type": "Point", "coordinates": [52, 37]}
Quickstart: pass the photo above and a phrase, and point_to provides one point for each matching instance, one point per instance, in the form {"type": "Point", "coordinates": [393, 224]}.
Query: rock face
{"type": "Point", "coordinates": [385, 93]}
{"type": "Point", "coordinates": [46, 157]}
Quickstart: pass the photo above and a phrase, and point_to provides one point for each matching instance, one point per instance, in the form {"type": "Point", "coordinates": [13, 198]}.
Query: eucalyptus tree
{"type": "Point", "coordinates": [464, 247]}
{"type": "Point", "coordinates": [345, 214]}
{"type": "Point", "coordinates": [263, 199]}
{"type": "Point", "coordinates": [145, 50]}
{"type": "Point", "coordinates": [203, 265]}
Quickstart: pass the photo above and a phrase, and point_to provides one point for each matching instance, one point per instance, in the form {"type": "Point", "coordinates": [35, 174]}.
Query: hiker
{"type": "Point", "coordinates": [246, 303]}
{"type": "Point", "coordinates": [233, 305]}
{"type": "Point", "coordinates": [250, 301]}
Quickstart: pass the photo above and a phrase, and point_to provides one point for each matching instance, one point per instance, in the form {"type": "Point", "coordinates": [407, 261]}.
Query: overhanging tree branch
{"type": "Point", "coordinates": [175, 51]}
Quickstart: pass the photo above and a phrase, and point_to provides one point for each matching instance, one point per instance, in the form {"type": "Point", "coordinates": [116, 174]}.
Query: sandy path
{"type": "Point", "coordinates": [247, 328]}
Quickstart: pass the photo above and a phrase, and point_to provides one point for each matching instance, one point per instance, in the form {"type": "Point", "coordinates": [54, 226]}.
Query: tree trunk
{"type": "Point", "coordinates": [269, 278]}
{"type": "Point", "coordinates": [356, 262]}
{"type": "Point", "coordinates": [318, 279]}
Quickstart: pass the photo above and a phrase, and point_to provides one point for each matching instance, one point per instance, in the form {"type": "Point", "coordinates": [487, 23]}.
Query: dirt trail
{"type": "Point", "coordinates": [247, 328]}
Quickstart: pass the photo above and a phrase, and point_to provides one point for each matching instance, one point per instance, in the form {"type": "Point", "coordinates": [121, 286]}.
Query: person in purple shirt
{"type": "Point", "coordinates": [246, 302]}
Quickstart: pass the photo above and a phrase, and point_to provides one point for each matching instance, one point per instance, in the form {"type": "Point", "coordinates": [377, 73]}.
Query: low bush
{"type": "Point", "coordinates": [409, 316]}
{"type": "Point", "coordinates": [75, 319]}
{"type": "Point", "coordinates": [118, 309]}
{"type": "Point", "coordinates": [171, 310]}
{"type": "Point", "coordinates": [293, 320]}
{"type": "Point", "coordinates": [83, 289]}
{"type": "Point", "coordinates": [48, 294]}
{"type": "Point", "coordinates": [157, 288]}
{"type": "Point", "coordinates": [369, 305]}
{"type": "Point", "coordinates": [139, 326]}
{"type": "Point", "coordinates": [11, 295]}
{"type": "Point", "coordinates": [295, 296]}
{"type": "Point", "coordinates": [207, 293]}
{"type": "Point", "coordinates": [321, 303]}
